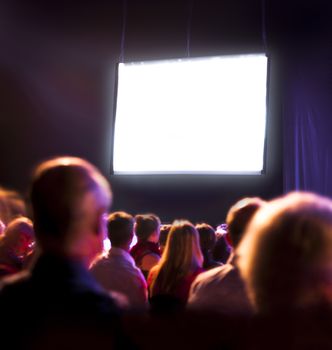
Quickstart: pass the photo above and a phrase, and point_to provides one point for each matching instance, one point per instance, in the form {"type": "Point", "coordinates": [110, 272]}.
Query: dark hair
{"type": "Point", "coordinates": [240, 215]}
{"type": "Point", "coordinates": [164, 231]}
{"type": "Point", "coordinates": [120, 227]}
{"type": "Point", "coordinates": [207, 236]}
{"type": "Point", "coordinates": [146, 224]}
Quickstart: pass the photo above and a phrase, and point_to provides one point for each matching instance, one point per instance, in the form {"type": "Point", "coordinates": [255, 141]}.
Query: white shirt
{"type": "Point", "coordinates": [118, 272]}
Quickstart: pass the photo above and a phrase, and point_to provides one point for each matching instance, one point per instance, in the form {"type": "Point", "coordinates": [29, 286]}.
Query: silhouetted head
{"type": "Point", "coordinates": [238, 217]}
{"type": "Point", "coordinates": [69, 198]}
{"type": "Point", "coordinates": [207, 237]}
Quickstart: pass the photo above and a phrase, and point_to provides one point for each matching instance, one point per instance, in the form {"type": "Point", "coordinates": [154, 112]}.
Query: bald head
{"type": "Point", "coordinates": [65, 193]}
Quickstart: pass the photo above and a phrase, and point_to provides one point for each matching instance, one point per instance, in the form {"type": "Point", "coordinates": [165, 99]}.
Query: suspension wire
{"type": "Point", "coordinates": [123, 32]}
{"type": "Point", "coordinates": [264, 32]}
{"type": "Point", "coordinates": [189, 25]}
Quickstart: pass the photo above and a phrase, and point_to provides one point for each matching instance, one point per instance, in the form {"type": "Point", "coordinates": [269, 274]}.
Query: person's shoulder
{"type": "Point", "coordinates": [14, 282]}
{"type": "Point", "coordinates": [92, 303]}
{"type": "Point", "coordinates": [210, 275]}
{"type": "Point", "coordinates": [100, 265]}
{"type": "Point", "coordinates": [149, 260]}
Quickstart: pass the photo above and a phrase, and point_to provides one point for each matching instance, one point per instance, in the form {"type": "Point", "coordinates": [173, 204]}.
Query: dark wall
{"type": "Point", "coordinates": [57, 66]}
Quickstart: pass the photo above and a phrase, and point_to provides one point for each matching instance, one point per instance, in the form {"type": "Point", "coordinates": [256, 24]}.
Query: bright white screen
{"type": "Point", "coordinates": [191, 116]}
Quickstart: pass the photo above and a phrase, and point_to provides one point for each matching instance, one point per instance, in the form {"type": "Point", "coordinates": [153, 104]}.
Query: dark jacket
{"type": "Point", "coordinates": [57, 305]}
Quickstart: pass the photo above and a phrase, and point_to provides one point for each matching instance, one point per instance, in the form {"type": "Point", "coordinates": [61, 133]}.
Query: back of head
{"type": "Point", "coordinates": [207, 236]}
{"type": "Point", "coordinates": [146, 225]}
{"type": "Point", "coordinates": [65, 193]}
{"type": "Point", "coordinates": [120, 227]}
{"type": "Point", "coordinates": [182, 249]}
{"type": "Point", "coordinates": [239, 216]}
{"type": "Point", "coordinates": [182, 255]}
{"type": "Point", "coordinates": [285, 256]}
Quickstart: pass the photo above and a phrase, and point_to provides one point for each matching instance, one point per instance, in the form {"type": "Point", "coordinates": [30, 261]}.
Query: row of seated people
{"type": "Point", "coordinates": [274, 291]}
{"type": "Point", "coordinates": [117, 272]}
{"type": "Point", "coordinates": [170, 248]}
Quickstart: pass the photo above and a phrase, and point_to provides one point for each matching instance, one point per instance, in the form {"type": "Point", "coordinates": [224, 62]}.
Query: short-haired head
{"type": "Point", "coordinates": [239, 215]}
{"type": "Point", "coordinates": [66, 192]}
{"type": "Point", "coordinates": [285, 256]}
{"type": "Point", "coordinates": [146, 225]}
{"type": "Point", "coordinates": [120, 227]}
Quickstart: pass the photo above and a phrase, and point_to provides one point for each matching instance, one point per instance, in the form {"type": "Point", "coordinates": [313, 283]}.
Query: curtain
{"type": "Point", "coordinates": [307, 122]}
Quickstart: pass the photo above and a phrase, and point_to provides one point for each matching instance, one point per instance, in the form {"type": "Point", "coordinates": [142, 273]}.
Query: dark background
{"type": "Point", "coordinates": [57, 70]}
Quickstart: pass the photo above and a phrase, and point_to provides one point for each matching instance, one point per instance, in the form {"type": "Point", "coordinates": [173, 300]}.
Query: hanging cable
{"type": "Point", "coordinates": [190, 14]}
{"type": "Point", "coordinates": [123, 32]}
{"type": "Point", "coordinates": [264, 35]}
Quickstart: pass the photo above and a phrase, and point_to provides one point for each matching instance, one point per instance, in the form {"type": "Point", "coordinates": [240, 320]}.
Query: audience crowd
{"type": "Point", "coordinates": [261, 280]}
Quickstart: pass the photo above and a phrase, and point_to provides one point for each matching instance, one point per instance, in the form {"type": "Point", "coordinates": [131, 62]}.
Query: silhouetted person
{"type": "Point", "coordinates": [58, 303]}
{"type": "Point", "coordinates": [207, 240]}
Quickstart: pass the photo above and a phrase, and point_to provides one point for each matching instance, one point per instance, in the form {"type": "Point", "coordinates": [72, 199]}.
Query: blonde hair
{"type": "Point", "coordinates": [182, 255]}
{"type": "Point", "coordinates": [285, 256]}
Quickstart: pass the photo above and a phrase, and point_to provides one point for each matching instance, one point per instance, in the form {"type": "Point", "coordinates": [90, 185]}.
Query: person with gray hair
{"type": "Point", "coordinates": [286, 255]}
{"type": "Point", "coordinates": [285, 259]}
